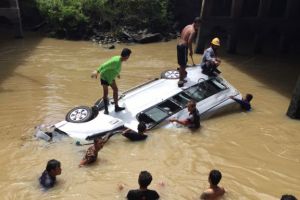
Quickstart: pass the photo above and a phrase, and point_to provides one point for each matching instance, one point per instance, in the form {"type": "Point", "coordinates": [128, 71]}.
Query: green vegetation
{"type": "Point", "coordinates": [76, 19]}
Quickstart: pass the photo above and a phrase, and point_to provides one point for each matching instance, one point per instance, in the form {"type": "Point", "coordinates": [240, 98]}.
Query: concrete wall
{"type": "Point", "coordinates": [10, 10]}
{"type": "Point", "coordinates": [262, 20]}
{"type": "Point", "coordinates": [186, 11]}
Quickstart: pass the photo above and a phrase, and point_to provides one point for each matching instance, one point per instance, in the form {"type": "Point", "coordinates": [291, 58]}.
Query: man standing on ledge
{"type": "Point", "coordinates": [108, 72]}
{"type": "Point", "coordinates": [185, 42]}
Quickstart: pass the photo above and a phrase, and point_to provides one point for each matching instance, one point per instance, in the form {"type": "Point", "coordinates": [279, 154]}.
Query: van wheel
{"type": "Point", "coordinates": [170, 74]}
{"type": "Point", "coordinates": [79, 114]}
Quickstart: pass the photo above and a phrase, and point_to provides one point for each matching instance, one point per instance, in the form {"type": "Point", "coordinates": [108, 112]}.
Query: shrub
{"type": "Point", "coordinates": [64, 17]}
{"type": "Point", "coordinates": [75, 18]}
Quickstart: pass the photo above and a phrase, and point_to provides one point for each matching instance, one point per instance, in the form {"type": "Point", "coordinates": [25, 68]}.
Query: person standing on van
{"type": "Point", "coordinates": [108, 72]}
{"type": "Point", "coordinates": [185, 42]}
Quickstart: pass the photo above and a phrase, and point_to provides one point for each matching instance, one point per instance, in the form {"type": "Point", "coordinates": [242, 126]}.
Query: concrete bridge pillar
{"type": "Point", "coordinates": [294, 108]}
{"type": "Point", "coordinates": [290, 13]}
{"type": "Point", "coordinates": [236, 12]}
{"type": "Point", "coordinates": [261, 18]}
{"type": "Point", "coordinates": [13, 14]}
{"type": "Point", "coordinates": [263, 9]}
{"type": "Point", "coordinates": [202, 32]}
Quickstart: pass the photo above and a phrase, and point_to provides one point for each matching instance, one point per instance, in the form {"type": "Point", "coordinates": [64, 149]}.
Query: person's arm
{"type": "Point", "coordinates": [157, 196]}
{"type": "Point", "coordinates": [190, 42]}
{"type": "Point", "coordinates": [126, 131]}
{"type": "Point", "coordinates": [130, 195]}
{"type": "Point", "coordinates": [217, 61]}
{"type": "Point", "coordinates": [240, 101]}
{"type": "Point", "coordinates": [94, 74]}
{"type": "Point", "coordinates": [182, 122]}
{"type": "Point", "coordinates": [83, 162]}
{"type": "Point", "coordinates": [204, 196]}
{"type": "Point", "coordinates": [87, 157]}
{"type": "Point", "coordinates": [244, 104]}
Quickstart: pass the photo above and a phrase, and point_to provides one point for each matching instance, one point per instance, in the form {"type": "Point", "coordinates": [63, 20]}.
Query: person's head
{"type": "Point", "coordinates": [248, 97]}
{"type": "Point", "coordinates": [288, 197]}
{"type": "Point", "coordinates": [141, 127]}
{"type": "Point", "coordinates": [214, 177]}
{"type": "Point", "coordinates": [196, 23]}
{"type": "Point", "coordinates": [215, 43]}
{"type": "Point", "coordinates": [125, 54]}
{"type": "Point", "coordinates": [191, 106]}
{"type": "Point", "coordinates": [53, 167]}
{"type": "Point", "coordinates": [145, 179]}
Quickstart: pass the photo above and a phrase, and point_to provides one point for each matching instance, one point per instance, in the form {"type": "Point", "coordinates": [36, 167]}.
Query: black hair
{"type": "Point", "coordinates": [249, 97]}
{"type": "Point", "coordinates": [145, 178]}
{"type": "Point", "coordinates": [141, 127]}
{"type": "Point", "coordinates": [215, 176]}
{"type": "Point", "coordinates": [288, 197]}
{"type": "Point", "coordinates": [192, 102]}
{"type": "Point", "coordinates": [52, 164]}
{"type": "Point", "coordinates": [125, 52]}
{"type": "Point", "coordinates": [197, 20]}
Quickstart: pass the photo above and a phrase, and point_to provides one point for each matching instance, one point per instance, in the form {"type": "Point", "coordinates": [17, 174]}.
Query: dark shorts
{"type": "Point", "coordinates": [182, 55]}
{"type": "Point", "coordinates": [104, 82]}
{"type": "Point", "coordinates": [210, 69]}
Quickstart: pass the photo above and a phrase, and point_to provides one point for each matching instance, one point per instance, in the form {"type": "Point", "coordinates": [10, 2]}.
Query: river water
{"type": "Point", "coordinates": [41, 79]}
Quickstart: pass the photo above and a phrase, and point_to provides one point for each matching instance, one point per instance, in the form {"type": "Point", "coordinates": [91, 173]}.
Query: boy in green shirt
{"type": "Point", "coordinates": [108, 72]}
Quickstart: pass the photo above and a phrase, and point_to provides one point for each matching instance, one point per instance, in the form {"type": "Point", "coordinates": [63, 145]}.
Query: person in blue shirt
{"type": "Point", "coordinates": [244, 102]}
{"type": "Point", "coordinates": [210, 61]}
{"type": "Point", "coordinates": [48, 178]}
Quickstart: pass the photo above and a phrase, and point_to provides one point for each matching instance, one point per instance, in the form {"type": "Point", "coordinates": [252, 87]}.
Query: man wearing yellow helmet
{"type": "Point", "coordinates": [210, 61]}
{"type": "Point", "coordinates": [184, 44]}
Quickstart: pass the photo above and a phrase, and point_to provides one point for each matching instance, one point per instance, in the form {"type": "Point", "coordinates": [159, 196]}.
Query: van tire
{"type": "Point", "coordinates": [170, 74]}
{"type": "Point", "coordinates": [79, 114]}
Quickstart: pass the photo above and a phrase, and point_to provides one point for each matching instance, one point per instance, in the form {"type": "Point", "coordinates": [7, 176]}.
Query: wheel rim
{"type": "Point", "coordinates": [78, 114]}
{"type": "Point", "coordinates": [172, 74]}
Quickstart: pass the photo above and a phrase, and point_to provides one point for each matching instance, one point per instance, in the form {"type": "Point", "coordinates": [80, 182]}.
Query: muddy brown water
{"type": "Point", "coordinates": [41, 79]}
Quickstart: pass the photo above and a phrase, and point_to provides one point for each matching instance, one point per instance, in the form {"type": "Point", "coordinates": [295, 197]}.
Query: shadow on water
{"type": "Point", "coordinates": [13, 52]}
{"type": "Point", "coordinates": [275, 71]}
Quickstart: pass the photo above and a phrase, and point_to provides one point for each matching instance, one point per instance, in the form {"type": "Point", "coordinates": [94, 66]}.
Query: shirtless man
{"type": "Point", "coordinates": [214, 191]}
{"type": "Point", "coordinates": [185, 42]}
